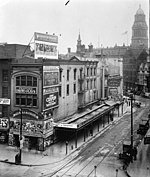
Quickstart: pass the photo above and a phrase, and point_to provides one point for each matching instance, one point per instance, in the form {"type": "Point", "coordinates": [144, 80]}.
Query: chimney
{"type": "Point", "coordinates": [69, 50]}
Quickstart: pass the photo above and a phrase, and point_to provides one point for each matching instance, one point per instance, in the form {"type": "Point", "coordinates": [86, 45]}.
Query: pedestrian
{"type": "Point", "coordinates": [135, 153]}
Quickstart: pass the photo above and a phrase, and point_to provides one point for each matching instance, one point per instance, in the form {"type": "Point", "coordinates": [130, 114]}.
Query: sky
{"type": "Point", "coordinates": [100, 22]}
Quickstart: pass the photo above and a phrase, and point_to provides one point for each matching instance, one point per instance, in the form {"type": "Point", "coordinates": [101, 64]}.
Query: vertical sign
{"type": "Point", "coordinates": [50, 87]}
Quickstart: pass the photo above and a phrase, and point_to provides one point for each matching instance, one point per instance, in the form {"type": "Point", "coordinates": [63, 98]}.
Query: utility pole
{"type": "Point", "coordinates": [131, 127]}
{"type": "Point", "coordinates": [21, 139]}
{"type": "Point", "coordinates": [103, 74]}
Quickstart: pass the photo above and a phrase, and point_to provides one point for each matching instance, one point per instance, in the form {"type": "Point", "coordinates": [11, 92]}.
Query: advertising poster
{"type": "Point", "coordinates": [46, 46]}
{"type": "Point", "coordinates": [4, 123]}
{"type": "Point", "coordinates": [50, 78]}
{"type": "Point", "coordinates": [114, 82]}
{"type": "Point", "coordinates": [50, 100]}
{"type": "Point", "coordinates": [50, 87]}
{"type": "Point", "coordinates": [113, 92]}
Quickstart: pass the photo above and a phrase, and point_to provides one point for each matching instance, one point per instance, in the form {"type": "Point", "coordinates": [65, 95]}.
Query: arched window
{"type": "Point", "coordinates": [26, 91]}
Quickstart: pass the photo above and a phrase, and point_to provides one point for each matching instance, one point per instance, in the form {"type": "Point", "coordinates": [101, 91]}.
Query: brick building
{"type": "Point", "coordinates": [7, 54]}
{"type": "Point", "coordinates": [48, 91]}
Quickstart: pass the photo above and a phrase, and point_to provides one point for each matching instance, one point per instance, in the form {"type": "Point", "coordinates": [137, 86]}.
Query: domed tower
{"type": "Point", "coordinates": [139, 30]}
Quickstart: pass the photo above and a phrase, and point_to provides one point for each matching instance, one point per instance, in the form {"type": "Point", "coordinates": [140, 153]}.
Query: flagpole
{"type": "Point", "coordinates": [127, 38]}
{"type": "Point", "coordinates": [126, 33]}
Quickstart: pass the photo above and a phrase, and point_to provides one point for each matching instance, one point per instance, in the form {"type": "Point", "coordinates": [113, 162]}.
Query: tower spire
{"type": "Point", "coordinates": [79, 43]}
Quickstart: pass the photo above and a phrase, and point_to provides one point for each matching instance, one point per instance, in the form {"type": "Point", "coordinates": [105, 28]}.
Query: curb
{"type": "Point", "coordinates": [82, 145]}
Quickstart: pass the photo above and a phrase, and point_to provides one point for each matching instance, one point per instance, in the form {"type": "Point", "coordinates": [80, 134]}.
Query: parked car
{"type": "Point", "coordinates": [137, 103]}
{"type": "Point", "coordinates": [147, 95]}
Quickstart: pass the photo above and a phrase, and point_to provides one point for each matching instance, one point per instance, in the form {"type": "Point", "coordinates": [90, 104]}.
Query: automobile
{"type": "Point", "coordinates": [147, 95]}
{"type": "Point", "coordinates": [137, 103]}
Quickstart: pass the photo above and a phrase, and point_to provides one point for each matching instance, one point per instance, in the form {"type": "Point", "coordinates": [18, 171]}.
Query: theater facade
{"type": "Point", "coordinates": [34, 96]}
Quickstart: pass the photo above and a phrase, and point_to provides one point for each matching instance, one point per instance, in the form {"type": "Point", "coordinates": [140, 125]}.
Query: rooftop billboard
{"type": "Point", "coordinates": [45, 46]}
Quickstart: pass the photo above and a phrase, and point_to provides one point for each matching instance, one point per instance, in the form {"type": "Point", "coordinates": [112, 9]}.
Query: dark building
{"type": "Point", "coordinates": [143, 77]}
{"type": "Point", "coordinates": [136, 53]}
{"type": "Point", "coordinates": [131, 62]}
{"type": "Point", "coordinates": [7, 54]}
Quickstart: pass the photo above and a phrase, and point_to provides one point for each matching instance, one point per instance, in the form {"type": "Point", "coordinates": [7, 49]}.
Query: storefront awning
{"type": "Point", "coordinates": [81, 121]}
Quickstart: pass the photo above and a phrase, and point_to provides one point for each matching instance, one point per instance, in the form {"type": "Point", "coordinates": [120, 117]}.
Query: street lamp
{"type": "Point", "coordinates": [21, 139]}
{"type": "Point", "coordinates": [116, 172]}
{"type": "Point", "coordinates": [95, 170]}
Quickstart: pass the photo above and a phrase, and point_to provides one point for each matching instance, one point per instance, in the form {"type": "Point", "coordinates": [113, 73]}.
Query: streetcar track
{"type": "Point", "coordinates": [72, 165]}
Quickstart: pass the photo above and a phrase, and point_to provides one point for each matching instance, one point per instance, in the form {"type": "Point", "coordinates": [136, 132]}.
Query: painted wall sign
{"type": "Point", "coordinates": [5, 101]}
{"type": "Point", "coordinates": [50, 100]}
{"type": "Point", "coordinates": [30, 128]}
{"type": "Point", "coordinates": [26, 112]}
{"type": "Point", "coordinates": [4, 123]}
{"type": "Point", "coordinates": [114, 82]}
{"type": "Point", "coordinates": [50, 90]}
{"type": "Point", "coordinates": [50, 78]}
{"type": "Point", "coordinates": [45, 37]}
{"type": "Point", "coordinates": [65, 125]}
{"type": "Point", "coordinates": [26, 90]}
{"type": "Point", "coordinates": [113, 91]}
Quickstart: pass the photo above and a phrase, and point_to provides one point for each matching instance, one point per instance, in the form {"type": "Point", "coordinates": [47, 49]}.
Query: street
{"type": "Point", "coordinates": [97, 157]}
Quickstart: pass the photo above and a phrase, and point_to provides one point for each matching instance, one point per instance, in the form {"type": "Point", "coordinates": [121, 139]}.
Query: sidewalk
{"type": "Point", "coordinates": [55, 153]}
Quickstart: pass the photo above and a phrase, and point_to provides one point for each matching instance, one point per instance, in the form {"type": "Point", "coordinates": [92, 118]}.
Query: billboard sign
{"type": "Point", "coordinates": [114, 82]}
{"type": "Point", "coordinates": [50, 78]}
{"type": "Point", "coordinates": [50, 90]}
{"type": "Point", "coordinates": [50, 100]}
{"type": "Point", "coordinates": [46, 46]}
{"type": "Point", "coordinates": [26, 90]}
{"type": "Point", "coordinates": [113, 91]}
{"type": "Point", "coordinates": [5, 101]}
{"type": "Point", "coordinates": [4, 123]}
{"type": "Point", "coordinates": [65, 125]}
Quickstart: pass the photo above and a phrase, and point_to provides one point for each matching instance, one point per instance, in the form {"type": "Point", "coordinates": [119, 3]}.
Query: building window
{"type": "Point", "coordinates": [4, 111]}
{"type": "Point", "coordinates": [23, 80]}
{"type": "Point", "coordinates": [75, 72]}
{"type": "Point", "coordinates": [34, 82]}
{"type": "Point", "coordinates": [91, 84]}
{"type": "Point", "coordinates": [5, 92]}
{"type": "Point", "coordinates": [60, 75]}
{"type": "Point", "coordinates": [26, 100]}
{"type": "Point", "coordinates": [17, 81]}
{"type": "Point", "coordinates": [5, 75]}
{"type": "Point", "coordinates": [94, 71]}
{"type": "Point", "coordinates": [68, 75]}
{"type": "Point", "coordinates": [87, 71]}
{"type": "Point", "coordinates": [74, 88]}
{"type": "Point", "coordinates": [60, 91]}
{"type": "Point", "coordinates": [67, 89]}
{"type": "Point", "coordinates": [26, 81]}
{"type": "Point", "coordinates": [29, 80]}
{"type": "Point", "coordinates": [91, 71]}
{"type": "Point", "coordinates": [94, 83]}
{"type": "Point", "coordinates": [87, 84]}
{"type": "Point", "coordinates": [81, 74]}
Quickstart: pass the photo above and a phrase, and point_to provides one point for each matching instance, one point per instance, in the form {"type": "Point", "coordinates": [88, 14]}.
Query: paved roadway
{"type": "Point", "coordinates": [80, 162]}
